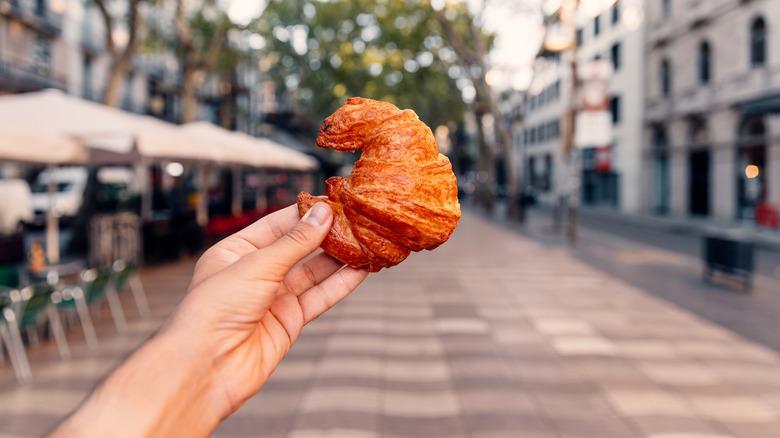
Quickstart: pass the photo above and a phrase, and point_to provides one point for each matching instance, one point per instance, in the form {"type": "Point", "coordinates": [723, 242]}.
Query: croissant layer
{"type": "Point", "coordinates": [401, 196]}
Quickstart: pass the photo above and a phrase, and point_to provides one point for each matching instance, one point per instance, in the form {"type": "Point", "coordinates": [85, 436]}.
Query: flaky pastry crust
{"type": "Point", "coordinates": [401, 196]}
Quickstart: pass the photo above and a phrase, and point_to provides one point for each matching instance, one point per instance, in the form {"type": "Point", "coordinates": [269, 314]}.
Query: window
{"type": "Point", "coordinates": [86, 77]}
{"type": "Point", "coordinates": [758, 42]}
{"type": "Point", "coordinates": [614, 108]}
{"type": "Point", "coordinates": [127, 93]}
{"type": "Point", "coordinates": [666, 78]}
{"type": "Point", "coordinates": [660, 137]}
{"type": "Point", "coordinates": [705, 62]}
{"type": "Point", "coordinates": [616, 12]}
{"type": "Point", "coordinates": [41, 7]}
{"type": "Point", "coordinates": [580, 37]}
{"type": "Point", "coordinates": [41, 55]}
{"type": "Point", "coordinates": [666, 9]}
{"type": "Point", "coordinates": [596, 25]}
{"type": "Point", "coordinates": [615, 53]}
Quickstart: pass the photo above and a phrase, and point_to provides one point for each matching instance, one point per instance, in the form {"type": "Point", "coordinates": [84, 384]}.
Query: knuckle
{"type": "Point", "coordinates": [299, 236]}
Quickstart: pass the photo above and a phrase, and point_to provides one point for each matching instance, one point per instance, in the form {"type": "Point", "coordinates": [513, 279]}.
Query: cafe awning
{"type": "Point", "coordinates": [53, 127]}
{"type": "Point", "coordinates": [40, 148]}
{"type": "Point", "coordinates": [240, 148]}
{"type": "Point", "coordinates": [760, 106]}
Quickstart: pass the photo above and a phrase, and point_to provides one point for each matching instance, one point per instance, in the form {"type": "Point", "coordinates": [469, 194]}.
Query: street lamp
{"type": "Point", "coordinates": [560, 36]}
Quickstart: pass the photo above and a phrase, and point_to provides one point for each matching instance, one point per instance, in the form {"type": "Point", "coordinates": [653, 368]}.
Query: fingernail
{"type": "Point", "coordinates": [317, 215]}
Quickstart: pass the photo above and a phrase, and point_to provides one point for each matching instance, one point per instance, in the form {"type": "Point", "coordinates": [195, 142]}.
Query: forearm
{"type": "Point", "coordinates": [164, 389]}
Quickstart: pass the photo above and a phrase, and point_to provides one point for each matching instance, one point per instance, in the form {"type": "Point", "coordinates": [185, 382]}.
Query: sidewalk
{"type": "Point", "coordinates": [764, 237]}
{"type": "Point", "coordinates": [489, 336]}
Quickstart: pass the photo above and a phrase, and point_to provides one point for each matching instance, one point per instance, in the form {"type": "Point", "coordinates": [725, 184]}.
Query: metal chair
{"type": "Point", "coordinates": [92, 288]}
{"type": "Point", "coordinates": [28, 309]}
{"type": "Point", "coordinates": [126, 273]}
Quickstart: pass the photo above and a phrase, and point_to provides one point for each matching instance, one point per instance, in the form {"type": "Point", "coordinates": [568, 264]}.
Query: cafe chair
{"type": "Point", "coordinates": [125, 273]}
{"type": "Point", "coordinates": [92, 289]}
{"type": "Point", "coordinates": [27, 309]}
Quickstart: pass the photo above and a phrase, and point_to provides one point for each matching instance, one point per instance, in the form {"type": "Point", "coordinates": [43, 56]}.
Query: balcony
{"type": "Point", "coordinates": [37, 16]}
{"type": "Point", "coordinates": [659, 109]}
{"type": "Point", "coordinates": [660, 33]}
{"type": "Point", "coordinates": [695, 100]}
{"type": "Point", "coordinates": [701, 12]}
{"type": "Point", "coordinates": [17, 77]}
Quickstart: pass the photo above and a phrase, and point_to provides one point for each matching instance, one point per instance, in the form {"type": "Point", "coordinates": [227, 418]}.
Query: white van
{"type": "Point", "coordinates": [69, 185]}
{"type": "Point", "coordinates": [15, 209]}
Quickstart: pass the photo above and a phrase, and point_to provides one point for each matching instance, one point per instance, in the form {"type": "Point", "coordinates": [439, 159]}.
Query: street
{"type": "Point", "coordinates": [491, 335]}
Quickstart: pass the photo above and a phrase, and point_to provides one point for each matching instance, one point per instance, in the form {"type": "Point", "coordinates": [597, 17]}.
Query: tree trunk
{"type": "Point", "coordinates": [189, 96]}
{"type": "Point", "coordinates": [116, 75]}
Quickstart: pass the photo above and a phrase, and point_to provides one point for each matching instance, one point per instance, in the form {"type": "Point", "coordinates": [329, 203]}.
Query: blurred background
{"type": "Point", "coordinates": [640, 135]}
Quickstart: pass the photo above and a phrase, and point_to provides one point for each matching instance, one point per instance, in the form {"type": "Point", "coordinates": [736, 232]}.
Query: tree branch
{"type": "Point", "coordinates": [212, 54]}
{"type": "Point", "coordinates": [185, 37]}
{"type": "Point", "coordinates": [108, 22]}
{"type": "Point", "coordinates": [134, 23]}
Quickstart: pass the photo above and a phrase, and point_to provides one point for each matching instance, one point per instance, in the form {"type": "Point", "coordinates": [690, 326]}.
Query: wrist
{"type": "Point", "coordinates": [164, 389]}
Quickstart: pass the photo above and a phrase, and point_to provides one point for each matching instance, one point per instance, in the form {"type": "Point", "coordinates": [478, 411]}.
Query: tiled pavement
{"type": "Point", "coordinates": [489, 336]}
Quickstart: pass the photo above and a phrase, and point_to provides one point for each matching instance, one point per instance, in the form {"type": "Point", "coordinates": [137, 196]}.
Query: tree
{"type": "Point", "coordinates": [320, 53]}
{"type": "Point", "coordinates": [121, 55]}
{"type": "Point", "coordinates": [472, 45]}
{"type": "Point", "coordinates": [201, 38]}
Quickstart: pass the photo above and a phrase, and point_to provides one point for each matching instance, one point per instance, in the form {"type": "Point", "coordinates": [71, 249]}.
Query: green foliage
{"type": "Point", "coordinates": [322, 52]}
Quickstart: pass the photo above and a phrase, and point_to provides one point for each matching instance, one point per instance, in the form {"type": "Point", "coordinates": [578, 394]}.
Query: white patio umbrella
{"type": "Point", "coordinates": [241, 148]}
{"type": "Point", "coordinates": [41, 147]}
{"type": "Point", "coordinates": [244, 150]}
{"type": "Point", "coordinates": [55, 128]}
{"type": "Point", "coordinates": [52, 113]}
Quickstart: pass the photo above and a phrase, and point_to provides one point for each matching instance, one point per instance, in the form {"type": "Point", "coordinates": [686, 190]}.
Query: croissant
{"type": "Point", "coordinates": [401, 196]}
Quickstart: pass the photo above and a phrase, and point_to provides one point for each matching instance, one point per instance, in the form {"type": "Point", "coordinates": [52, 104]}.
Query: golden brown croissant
{"type": "Point", "coordinates": [401, 195]}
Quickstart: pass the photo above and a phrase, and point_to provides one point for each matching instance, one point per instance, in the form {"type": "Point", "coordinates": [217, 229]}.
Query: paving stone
{"type": "Point", "coordinates": [516, 339]}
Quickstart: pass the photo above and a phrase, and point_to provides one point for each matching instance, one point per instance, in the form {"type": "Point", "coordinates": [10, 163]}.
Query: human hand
{"type": "Point", "coordinates": [250, 297]}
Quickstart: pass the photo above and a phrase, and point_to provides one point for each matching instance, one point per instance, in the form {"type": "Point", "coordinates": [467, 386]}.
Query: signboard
{"type": "Point", "coordinates": [593, 119]}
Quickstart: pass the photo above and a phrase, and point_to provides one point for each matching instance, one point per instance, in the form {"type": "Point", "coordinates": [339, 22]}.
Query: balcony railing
{"type": "Point", "coordinates": [42, 19]}
{"type": "Point", "coordinates": [16, 77]}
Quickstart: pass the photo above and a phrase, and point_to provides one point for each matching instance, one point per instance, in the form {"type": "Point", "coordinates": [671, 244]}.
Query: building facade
{"type": "Point", "coordinates": [61, 44]}
{"type": "Point", "coordinates": [610, 173]}
{"type": "Point", "coordinates": [712, 92]}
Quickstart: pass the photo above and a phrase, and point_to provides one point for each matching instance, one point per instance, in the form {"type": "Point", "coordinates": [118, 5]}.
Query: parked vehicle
{"type": "Point", "coordinates": [69, 186]}
{"type": "Point", "coordinates": [15, 207]}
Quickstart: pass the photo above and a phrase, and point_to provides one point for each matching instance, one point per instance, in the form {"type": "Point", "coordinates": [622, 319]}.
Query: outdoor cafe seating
{"type": "Point", "coordinates": [46, 303]}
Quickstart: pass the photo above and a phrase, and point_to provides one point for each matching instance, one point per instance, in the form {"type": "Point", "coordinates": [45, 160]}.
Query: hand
{"type": "Point", "coordinates": [250, 296]}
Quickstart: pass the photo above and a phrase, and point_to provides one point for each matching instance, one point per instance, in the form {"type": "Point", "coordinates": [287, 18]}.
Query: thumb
{"type": "Point", "coordinates": [303, 239]}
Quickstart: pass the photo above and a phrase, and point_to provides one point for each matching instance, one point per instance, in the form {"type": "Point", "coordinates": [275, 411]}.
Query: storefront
{"type": "Point", "coordinates": [751, 167]}
{"type": "Point", "coordinates": [599, 181]}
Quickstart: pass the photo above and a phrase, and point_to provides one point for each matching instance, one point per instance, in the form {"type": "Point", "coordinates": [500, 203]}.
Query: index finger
{"type": "Point", "coordinates": [257, 235]}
